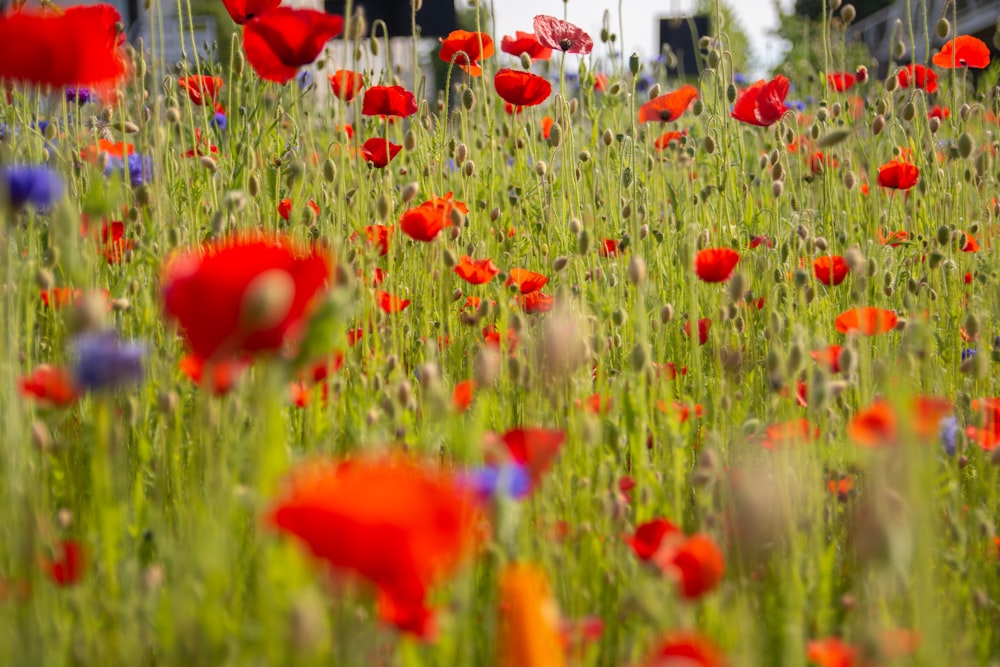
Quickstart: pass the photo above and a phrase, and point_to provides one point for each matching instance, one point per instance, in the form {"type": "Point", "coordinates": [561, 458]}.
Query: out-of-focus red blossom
{"type": "Point", "coordinates": [595, 404]}
{"type": "Point", "coordinates": [626, 485]}
{"type": "Point", "coordinates": [820, 162]}
{"type": "Point", "coordinates": [378, 237]}
{"type": "Point", "coordinates": [511, 109]}
{"type": "Point", "coordinates": [831, 270]}
{"type": "Point", "coordinates": [899, 643]}
{"type": "Point", "coordinates": [987, 436]}
{"type": "Point", "coordinates": [939, 112]}
{"type": "Point", "coordinates": [868, 321]}
{"type": "Point", "coordinates": [696, 563]}
{"type": "Point", "coordinates": [682, 411]}
{"type": "Point", "coordinates": [560, 35]}
{"type": "Point", "coordinates": [963, 51]}
{"type": "Point", "coordinates": [668, 107]}
{"type": "Point", "coordinates": [243, 10]}
{"type": "Point", "coordinates": [536, 302]}
{"type": "Point", "coordinates": [715, 265]}
{"type": "Point", "coordinates": [898, 175]}
{"type": "Point", "coordinates": [970, 245]}
{"type": "Point", "coordinates": [346, 84]}
{"type": "Point", "coordinates": [832, 652]}
{"type": "Point", "coordinates": [534, 448]}
{"type": "Point", "coordinates": [520, 88]}
{"type": "Point", "coordinates": [118, 149]}
{"type": "Point", "coordinates": [476, 271]}
{"type": "Point", "coordinates": [491, 336]}
{"type": "Point", "coordinates": [840, 487]}
{"type": "Point", "coordinates": [878, 425]}
{"type": "Point", "coordinates": [600, 82]}
{"type": "Point", "coordinates": [379, 152]}
{"type": "Point", "coordinates": [243, 294]}
{"type": "Point", "coordinates": [763, 240]}
{"type": "Point", "coordinates": [285, 208]}
{"type": "Point", "coordinates": [547, 123]}
{"type": "Point", "coordinates": [526, 281]}
{"type": "Point", "coordinates": [49, 385]}
{"type": "Point", "coordinates": [200, 87]}
{"type": "Point", "coordinates": [828, 357]}
{"type": "Point", "coordinates": [529, 619]}
{"type": "Point", "coordinates": [201, 143]}
{"type": "Point", "coordinates": [649, 536]}
{"type": "Point", "coordinates": [399, 525]}
{"type": "Point", "coordinates": [281, 40]}
{"type": "Point", "coordinates": [667, 138]}
{"type": "Point", "coordinates": [57, 297]}
{"type": "Point", "coordinates": [840, 81]}
{"type": "Point", "coordinates": [390, 303]}
{"type": "Point", "coordinates": [425, 222]}
{"type": "Point", "coordinates": [918, 76]}
{"type": "Point", "coordinates": [791, 432]}
{"type": "Point", "coordinates": [525, 42]}
{"type": "Point", "coordinates": [389, 101]}
{"type": "Point", "coordinates": [114, 246]}
{"type": "Point", "coordinates": [67, 564]}
{"type": "Point", "coordinates": [684, 649]}
{"type": "Point", "coordinates": [608, 248]}
{"type": "Point", "coordinates": [80, 46]}
{"type": "Point", "coordinates": [225, 373]}
{"type": "Point", "coordinates": [704, 326]}
{"type": "Point", "coordinates": [461, 397]}
{"type": "Point", "coordinates": [466, 49]}
{"type": "Point", "coordinates": [893, 239]}
{"type": "Point", "coordinates": [763, 103]}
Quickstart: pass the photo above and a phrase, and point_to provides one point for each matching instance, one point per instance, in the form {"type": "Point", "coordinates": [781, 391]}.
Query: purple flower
{"type": "Point", "coordinates": [79, 95]}
{"type": "Point", "coordinates": [949, 429]}
{"type": "Point", "coordinates": [488, 481]}
{"type": "Point", "coordinates": [140, 168]}
{"type": "Point", "coordinates": [104, 362]}
{"type": "Point", "coordinates": [304, 78]}
{"type": "Point", "coordinates": [968, 353]}
{"type": "Point", "coordinates": [36, 185]}
{"type": "Point", "coordinates": [220, 120]}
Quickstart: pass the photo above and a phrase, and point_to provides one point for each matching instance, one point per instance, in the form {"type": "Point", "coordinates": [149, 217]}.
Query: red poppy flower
{"type": "Point", "coordinates": [547, 123]}
{"type": "Point", "coordinates": [400, 526]}
{"type": "Point", "coordinates": [534, 448]}
{"type": "Point", "coordinates": [939, 112]}
{"type": "Point", "coordinates": [970, 245]}
{"type": "Point", "coordinates": [388, 101]}
{"type": "Point", "coordinates": [840, 487]}
{"type": "Point", "coordinates": [346, 84]}
{"type": "Point", "coordinates": [225, 373]}
{"type": "Point", "coordinates": [600, 82]}
{"type": "Point", "coordinates": [285, 208]}
{"type": "Point", "coordinates": [280, 41]}
{"type": "Point", "coordinates": [832, 652]}
{"type": "Point", "coordinates": [526, 281]}
{"type": "Point", "coordinates": [476, 271]}
{"type": "Point", "coordinates": [57, 297]}
{"type": "Point", "coordinates": [243, 294]}
{"type": "Point", "coordinates": [78, 47]}
{"type": "Point", "coordinates": [668, 107]}
{"type": "Point", "coordinates": [893, 239]}
{"type": "Point", "coordinates": [379, 152]}
{"type": "Point", "coordinates": [562, 36]}
{"type": "Point", "coordinates": [425, 222]}
{"type": "Point", "coordinates": [696, 564]}
{"type": "Point", "coordinates": [649, 537]}
{"type": "Point", "coordinates": [200, 87]}
{"type": "Point", "coordinates": [608, 248]}
{"type": "Point", "coordinates": [918, 76]}
{"type": "Point", "coordinates": [377, 236]}
{"type": "Point", "coordinates": [762, 240]}
{"type": "Point", "coordinates": [525, 42]}
{"type": "Point", "coordinates": [466, 49]}
{"type": "Point", "coordinates": [963, 51]}
{"type": "Point", "coordinates": [874, 426]}
{"type": "Point", "coordinates": [898, 175]}
{"type": "Point", "coordinates": [390, 303]}
{"type": "Point", "coordinates": [830, 270]}
{"type": "Point", "coordinates": [869, 321]}
{"type": "Point", "coordinates": [683, 648]}
{"type": "Point", "coordinates": [715, 265]}
{"type": "Point", "coordinates": [840, 81]}
{"type": "Point", "coordinates": [828, 357]}
{"type": "Point", "coordinates": [49, 385]}
{"type": "Point", "coordinates": [461, 397]}
{"type": "Point", "coordinates": [536, 302]}
{"type": "Point", "coordinates": [118, 149]}
{"type": "Point", "coordinates": [786, 433]}
{"type": "Point", "coordinates": [819, 162]}
{"type": "Point", "coordinates": [67, 565]}
{"type": "Point", "coordinates": [763, 103]}
{"type": "Point", "coordinates": [667, 138]}
{"type": "Point", "coordinates": [522, 89]}
{"type": "Point", "coordinates": [704, 326]}
{"type": "Point", "coordinates": [244, 10]}
{"type": "Point", "coordinates": [112, 241]}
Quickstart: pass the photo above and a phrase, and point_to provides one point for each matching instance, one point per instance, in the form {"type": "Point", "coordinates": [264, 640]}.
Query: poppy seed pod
{"type": "Point", "coordinates": [942, 28]}
{"type": "Point", "coordinates": [525, 61]}
{"type": "Point", "coordinates": [468, 99]}
{"type": "Point", "coordinates": [934, 124]}
{"type": "Point", "coordinates": [469, 168]}
{"type": "Point", "coordinates": [555, 135]}
{"type": "Point", "coordinates": [634, 64]}
{"type": "Point", "coordinates": [410, 191]}
{"type": "Point", "coordinates": [708, 144]}
{"type": "Point", "coordinates": [637, 270]}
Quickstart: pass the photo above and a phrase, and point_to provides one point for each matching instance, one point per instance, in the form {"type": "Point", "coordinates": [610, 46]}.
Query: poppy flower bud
{"type": "Point", "coordinates": [708, 144]}
{"type": "Point", "coordinates": [555, 135]}
{"type": "Point", "coordinates": [525, 61]}
{"type": "Point", "coordinates": [966, 144]}
{"type": "Point", "coordinates": [855, 259]}
{"type": "Point", "coordinates": [942, 28]}
{"type": "Point", "coordinates": [469, 168]}
{"type": "Point", "coordinates": [639, 357]}
{"type": "Point", "coordinates": [44, 279]}
{"type": "Point", "coordinates": [209, 163]}
{"type": "Point", "coordinates": [898, 49]}
{"type": "Point", "coordinates": [253, 185]}
{"type": "Point", "coordinates": [410, 192]}
{"type": "Point", "coordinates": [861, 74]}
{"type": "Point", "coordinates": [583, 156]}
{"type": "Point", "coordinates": [173, 115]}
{"type": "Point", "coordinates": [450, 260]}
{"type": "Point", "coordinates": [634, 64]}
{"type": "Point", "coordinates": [972, 325]}
{"type": "Point", "coordinates": [486, 368]}
{"type": "Point", "coordinates": [654, 91]}
{"type": "Point", "coordinates": [666, 314]}
{"type": "Point", "coordinates": [777, 172]}
{"type": "Point", "coordinates": [559, 263]}
{"type": "Point", "coordinates": [637, 270]}
{"type": "Point", "coordinates": [737, 287]}
{"type": "Point", "coordinates": [777, 188]}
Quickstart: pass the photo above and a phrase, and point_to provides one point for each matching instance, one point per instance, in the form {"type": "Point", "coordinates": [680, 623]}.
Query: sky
{"type": "Point", "coordinates": [640, 19]}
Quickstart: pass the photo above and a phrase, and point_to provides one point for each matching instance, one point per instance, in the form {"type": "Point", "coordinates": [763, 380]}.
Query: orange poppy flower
{"type": "Point", "coordinates": [529, 619]}
{"type": "Point", "coordinates": [547, 123]}
{"type": "Point", "coordinates": [425, 222]}
{"type": "Point", "coordinates": [346, 84]}
{"type": "Point", "coordinates": [466, 49]}
{"type": "Point", "coordinates": [401, 526]}
{"type": "Point", "coordinates": [832, 652]}
{"type": "Point", "coordinates": [840, 487]}
{"type": "Point", "coordinates": [786, 433]}
{"type": "Point", "coordinates": [667, 138]}
{"type": "Point", "coordinates": [476, 271]}
{"type": "Point", "coordinates": [868, 321]}
{"type": "Point", "coordinates": [668, 107]}
{"type": "Point", "coordinates": [684, 648]}
{"type": "Point", "coordinates": [696, 564]}
{"type": "Point", "coordinates": [378, 237]}
{"type": "Point", "coordinates": [521, 89]}
{"type": "Point", "coordinates": [224, 373]}
{"type": "Point", "coordinates": [828, 357]}
{"type": "Point", "coordinates": [525, 42]}
{"type": "Point", "coordinates": [390, 303]}
{"type": "Point", "coordinates": [49, 385]}
{"type": "Point", "coordinates": [874, 426]}
{"type": "Point", "coordinates": [971, 245]}
{"type": "Point", "coordinates": [200, 87]}
{"type": "Point", "coordinates": [830, 270]}
{"type": "Point", "coordinates": [963, 51]}
{"type": "Point", "coordinates": [898, 175]}
{"type": "Point", "coordinates": [536, 302]}
{"type": "Point", "coordinates": [526, 281]}
{"type": "Point", "coordinates": [118, 149]}
{"type": "Point", "coordinates": [893, 239]}
{"type": "Point", "coordinates": [461, 398]}
{"type": "Point", "coordinates": [715, 265]}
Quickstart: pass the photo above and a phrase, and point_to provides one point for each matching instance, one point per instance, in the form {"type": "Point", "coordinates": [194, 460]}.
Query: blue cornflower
{"type": "Point", "coordinates": [140, 168]}
{"type": "Point", "coordinates": [304, 79]}
{"type": "Point", "coordinates": [968, 353]}
{"type": "Point", "coordinates": [220, 120]}
{"type": "Point", "coordinates": [949, 430]}
{"type": "Point", "coordinates": [644, 83]}
{"type": "Point", "coordinates": [39, 186]}
{"type": "Point", "coordinates": [104, 362]}
{"type": "Point", "coordinates": [740, 79]}
{"type": "Point", "coordinates": [509, 480]}
{"type": "Point", "coordinates": [80, 95]}
{"type": "Point", "coordinates": [797, 105]}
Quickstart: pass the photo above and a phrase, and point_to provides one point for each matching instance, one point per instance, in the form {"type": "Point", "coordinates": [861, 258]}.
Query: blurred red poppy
{"type": "Point", "coordinates": [963, 51]}
{"type": "Point", "coordinates": [399, 525]}
{"type": "Point", "coordinates": [562, 35]}
{"type": "Point", "coordinates": [832, 652]}
{"type": "Point", "coordinates": [476, 271]}
{"type": "Point", "coordinates": [243, 294]}
{"type": "Point", "coordinates": [828, 357]}
{"type": "Point", "coordinates": [243, 10]}
{"type": "Point", "coordinates": [388, 101]}
{"type": "Point", "coordinates": [790, 432]}
{"type": "Point", "coordinates": [868, 321]}
{"type": "Point", "coordinates": [280, 41]}
{"type": "Point", "coordinates": [379, 152]}
{"type": "Point", "coordinates": [715, 265]}
{"type": "Point", "coordinates": [346, 84]}
{"type": "Point", "coordinates": [57, 297]}
{"type": "Point", "coordinates": [649, 537]}
{"type": "Point", "coordinates": [667, 138]}
{"type": "Point", "coordinates": [390, 303]}
{"type": "Point", "coordinates": [970, 245]}
{"type": "Point", "coordinates": [529, 619]}
{"type": "Point", "coordinates": [893, 239]}
{"type": "Point", "coordinates": [762, 240]}
{"type": "Point", "coordinates": [668, 107]}
{"type": "Point", "coordinates": [80, 46]}
{"type": "Point", "coordinates": [918, 76]}
{"type": "Point", "coordinates": [830, 270]}
{"type": "Point", "coordinates": [285, 208]}
{"type": "Point", "coordinates": [536, 302]}
{"type": "Point", "coordinates": [522, 89]}
{"type": "Point", "coordinates": [820, 162]}
{"type": "Point", "coordinates": [113, 244]}
{"type": "Point", "coordinates": [763, 103]}
{"type": "Point", "coordinates": [939, 112]}
{"type": "Point", "coordinates": [67, 565]}
{"type": "Point", "coordinates": [874, 426]}
{"type": "Point", "coordinates": [118, 149]}
{"type": "Point", "coordinates": [840, 81]}
{"type": "Point", "coordinates": [684, 648]}
{"type": "Point", "coordinates": [547, 123]}
{"type": "Point", "coordinates": [461, 397]}
{"type": "Point", "coordinates": [526, 281]}
{"type": "Point", "coordinates": [696, 563]}
{"type": "Point", "coordinates": [704, 326]}
{"type": "Point", "coordinates": [49, 385]}
{"type": "Point", "coordinates": [608, 248]}
{"type": "Point", "coordinates": [525, 42]}
{"type": "Point", "coordinates": [378, 237]}
{"type": "Point", "coordinates": [201, 88]}
{"type": "Point", "coordinates": [898, 175]}
{"type": "Point", "coordinates": [534, 448]}
{"type": "Point", "coordinates": [466, 49]}
{"type": "Point", "coordinates": [225, 373]}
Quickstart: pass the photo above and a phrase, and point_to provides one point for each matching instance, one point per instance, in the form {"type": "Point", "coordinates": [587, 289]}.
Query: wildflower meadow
{"type": "Point", "coordinates": [565, 360]}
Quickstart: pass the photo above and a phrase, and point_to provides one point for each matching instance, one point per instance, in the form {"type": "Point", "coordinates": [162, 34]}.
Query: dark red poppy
{"type": "Point", "coordinates": [704, 326]}
{"type": "Point", "coordinates": [715, 265]}
{"type": "Point", "coordinates": [522, 89]}
{"type": "Point", "coordinates": [918, 76]}
{"type": "Point", "coordinates": [608, 248]}
{"type": "Point", "coordinates": [649, 537]}
{"type": "Point", "coordinates": [49, 385]}
{"type": "Point", "coordinates": [225, 373]}
{"type": "Point", "coordinates": [525, 42]}
{"type": "Point", "coordinates": [280, 41]}
{"type": "Point", "coordinates": [466, 49]}
{"type": "Point", "coordinates": [244, 10]}
{"type": "Point", "coordinates": [390, 303]}
{"type": "Point", "coordinates": [830, 270]}
{"type": "Point", "coordinates": [389, 101]}
{"type": "Point", "coordinates": [78, 47]}
{"type": "Point", "coordinates": [200, 87]}
{"type": "Point", "coordinates": [868, 321]}
{"type": "Point", "coordinates": [67, 564]}
{"type": "Point", "coordinates": [668, 107]}
{"type": "Point", "coordinates": [684, 648]}
{"type": "Point", "coordinates": [379, 152]}
{"type": "Point", "coordinates": [762, 240]}
{"type": "Point", "coordinates": [562, 35]}
{"type": "Point", "coordinates": [840, 81]}
{"type": "Point", "coordinates": [526, 281]}
{"type": "Point", "coordinates": [898, 175]}
{"type": "Point", "coordinates": [763, 103]}
{"type": "Point", "coordinates": [346, 84]}
{"type": "Point", "coordinates": [536, 302]}
{"type": "Point", "coordinates": [285, 208]}
{"type": "Point", "coordinates": [243, 294]}
{"type": "Point", "coordinates": [963, 51]}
